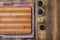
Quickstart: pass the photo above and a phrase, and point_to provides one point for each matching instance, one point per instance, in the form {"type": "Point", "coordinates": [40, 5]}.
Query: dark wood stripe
{"type": "Point", "coordinates": [15, 27]}
{"type": "Point", "coordinates": [58, 18]}
{"type": "Point", "coordinates": [49, 27]}
{"type": "Point", "coordinates": [9, 38]}
{"type": "Point", "coordinates": [15, 7]}
{"type": "Point", "coordinates": [16, 11]}
{"type": "Point", "coordinates": [15, 21]}
{"type": "Point", "coordinates": [21, 16]}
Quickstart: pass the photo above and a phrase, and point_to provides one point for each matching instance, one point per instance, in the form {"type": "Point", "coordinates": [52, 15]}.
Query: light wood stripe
{"type": "Point", "coordinates": [15, 19]}
{"type": "Point", "coordinates": [14, 30]}
{"type": "Point", "coordinates": [10, 31]}
{"type": "Point", "coordinates": [16, 24]}
{"type": "Point", "coordinates": [14, 14]}
{"type": "Point", "coordinates": [14, 8]}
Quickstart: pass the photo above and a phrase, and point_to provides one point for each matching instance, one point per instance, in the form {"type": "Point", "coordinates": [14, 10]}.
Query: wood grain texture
{"type": "Point", "coordinates": [18, 23]}
{"type": "Point", "coordinates": [54, 19]}
{"type": "Point", "coordinates": [16, 15]}
{"type": "Point", "coordinates": [58, 18]}
{"type": "Point", "coordinates": [41, 34]}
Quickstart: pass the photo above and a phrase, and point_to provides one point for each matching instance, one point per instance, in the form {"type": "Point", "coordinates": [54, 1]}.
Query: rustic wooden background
{"type": "Point", "coordinates": [53, 25]}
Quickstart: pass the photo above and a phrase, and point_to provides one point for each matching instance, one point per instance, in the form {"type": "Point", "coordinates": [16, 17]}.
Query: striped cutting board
{"type": "Point", "coordinates": [15, 20]}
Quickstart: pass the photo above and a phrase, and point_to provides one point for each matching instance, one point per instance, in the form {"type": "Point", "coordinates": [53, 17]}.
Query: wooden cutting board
{"type": "Point", "coordinates": [15, 20]}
